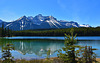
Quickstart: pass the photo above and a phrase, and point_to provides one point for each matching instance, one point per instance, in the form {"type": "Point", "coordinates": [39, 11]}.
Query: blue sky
{"type": "Point", "coordinates": [81, 11]}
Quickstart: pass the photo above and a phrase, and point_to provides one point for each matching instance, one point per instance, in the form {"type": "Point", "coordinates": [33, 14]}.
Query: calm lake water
{"type": "Point", "coordinates": [37, 47]}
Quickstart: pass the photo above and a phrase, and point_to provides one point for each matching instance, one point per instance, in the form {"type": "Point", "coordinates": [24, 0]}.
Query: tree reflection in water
{"type": "Point", "coordinates": [6, 54]}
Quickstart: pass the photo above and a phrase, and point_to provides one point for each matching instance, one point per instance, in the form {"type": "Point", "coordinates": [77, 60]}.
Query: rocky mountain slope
{"type": "Point", "coordinates": [40, 22]}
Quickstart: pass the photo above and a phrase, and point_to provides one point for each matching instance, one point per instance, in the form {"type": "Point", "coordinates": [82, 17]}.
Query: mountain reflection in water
{"type": "Point", "coordinates": [35, 47]}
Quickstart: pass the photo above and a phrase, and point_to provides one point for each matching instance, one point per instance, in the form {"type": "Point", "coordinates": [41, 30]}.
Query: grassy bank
{"type": "Point", "coordinates": [51, 60]}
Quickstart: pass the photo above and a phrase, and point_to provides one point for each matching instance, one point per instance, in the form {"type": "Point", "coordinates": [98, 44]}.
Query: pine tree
{"type": "Point", "coordinates": [6, 56]}
{"type": "Point", "coordinates": [3, 34]}
{"type": "Point", "coordinates": [48, 53]}
{"type": "Point", "coordinates": [8, 32]}
{"type": "Point", "coordinates": [70, 54]}
{"type": "Point", "coordinates": [88, 56]}
{"type": "Point", "coordinates": [5, 31]}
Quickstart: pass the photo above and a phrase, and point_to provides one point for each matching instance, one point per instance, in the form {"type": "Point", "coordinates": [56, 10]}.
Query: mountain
{"type": "Point", "coordinates": [22, 23]}
{"type": "Point", "coordinates": [69, 24]}
{"type": "Point", "coordinates": [1, 23]}
{"type": "Point", "coordinates": [40, 22]}
{"type": "Point", "coordinates": [51, 22]}
{"type": "Point", "coordinates": [85, 25]}
{"type": "Point", "coordinates": [37, 19]}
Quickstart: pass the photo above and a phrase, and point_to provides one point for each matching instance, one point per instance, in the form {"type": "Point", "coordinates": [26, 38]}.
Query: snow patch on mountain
{"type": "Point", "coordinates": [85, 25]}
{"type": "Point", "coordinates": [40, 22]}
{"type": "Point", "coordinates": [8, 25]}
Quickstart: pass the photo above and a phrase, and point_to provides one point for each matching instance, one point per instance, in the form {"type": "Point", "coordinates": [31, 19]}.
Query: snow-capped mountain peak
{"type": "Point", "coordinates": [85, 25]}
{"type": "Point", "coordinates": [23, 17]}
{"type": "Point", "coordinates": [40, 22]}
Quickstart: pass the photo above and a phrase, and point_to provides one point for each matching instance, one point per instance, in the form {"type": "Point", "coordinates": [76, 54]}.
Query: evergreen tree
{"type": "Point", "coordinates": [5, 31]}
{"type": "Point", "coordinates": [6, 56]}
{"type": "Point", "coordinates": [11, 33]}
{"type": "Point", "coordinates": [2, 34]}
{"type": "Point", "coordinates": [70, 54]}
{"type": "Point", "coordinates": [8, 32]}
{"type": "Point", "coordinates": [88, 56]}
{"type": "Point", "coordinates": [48, 53]}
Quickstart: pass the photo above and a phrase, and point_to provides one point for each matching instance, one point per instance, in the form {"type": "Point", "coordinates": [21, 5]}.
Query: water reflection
{"type": "Point", "coordinates": [6, 54]}
{"type": "Point", "coordinates": [32, 49]}
{"type": "Point", "coordinates": [36, 48]}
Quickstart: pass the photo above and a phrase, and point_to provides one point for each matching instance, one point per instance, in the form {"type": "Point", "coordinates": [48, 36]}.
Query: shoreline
{"type": "Point", "coordinates": [43, 60]}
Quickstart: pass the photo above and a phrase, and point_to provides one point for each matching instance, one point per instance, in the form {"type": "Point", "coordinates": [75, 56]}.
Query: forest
{"type": "Point", "coordinates": [91, 31]}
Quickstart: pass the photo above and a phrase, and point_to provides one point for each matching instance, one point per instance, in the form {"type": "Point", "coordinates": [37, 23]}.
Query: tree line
{"type": "Point", "coordinates": [59, 32]}
{"type": "Point", "coordinates": [5, 31]}
{"type": "Point", "coordinates": [91, 31]}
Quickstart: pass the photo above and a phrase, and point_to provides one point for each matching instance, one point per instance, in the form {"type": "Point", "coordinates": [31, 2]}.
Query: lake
{"type": "Point", "coordinates": [37, 47]}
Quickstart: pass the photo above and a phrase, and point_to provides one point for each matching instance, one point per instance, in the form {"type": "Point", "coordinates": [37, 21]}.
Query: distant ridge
{"type": "Point", "coordinates": [40, 22]}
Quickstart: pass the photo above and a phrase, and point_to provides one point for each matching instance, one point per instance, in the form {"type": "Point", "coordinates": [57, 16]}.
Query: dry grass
{"type": "Point", "coordinates": [51, 60]}
{"type": "Point", "coordinates": [98, 59]}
